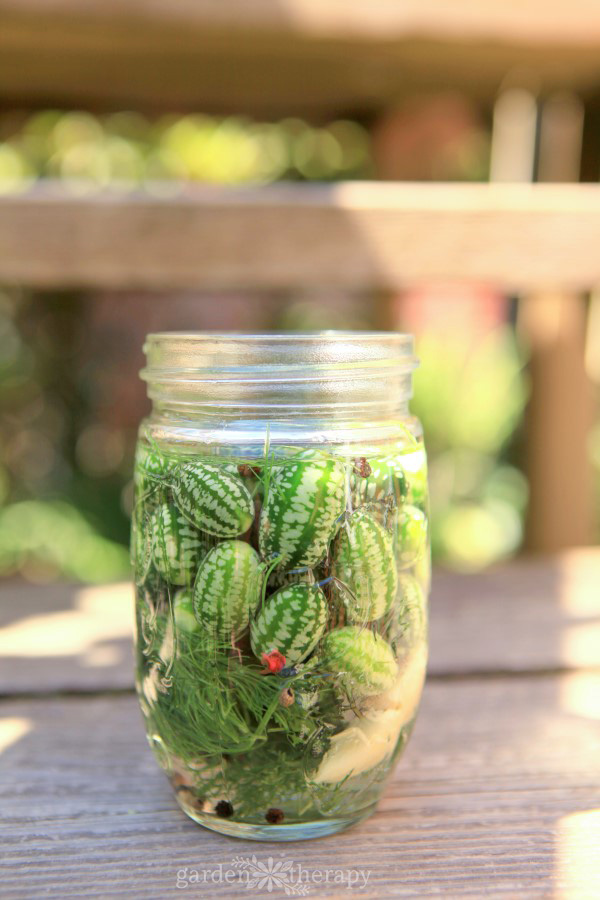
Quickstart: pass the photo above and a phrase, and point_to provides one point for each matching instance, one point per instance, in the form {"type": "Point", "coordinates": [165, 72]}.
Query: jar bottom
{"type": "Point", "coordinates": [296, 831]}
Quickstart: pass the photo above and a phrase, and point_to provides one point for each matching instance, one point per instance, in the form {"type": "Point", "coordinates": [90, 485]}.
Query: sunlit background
{"type": "Point", "coordinates": [128, 99]}
{"type": "Point", "coordinates": [70, 399]}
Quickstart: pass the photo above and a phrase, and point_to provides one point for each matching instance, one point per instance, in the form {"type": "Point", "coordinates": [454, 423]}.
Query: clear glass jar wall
{"type": "Point", "coordinates": [281, 557]}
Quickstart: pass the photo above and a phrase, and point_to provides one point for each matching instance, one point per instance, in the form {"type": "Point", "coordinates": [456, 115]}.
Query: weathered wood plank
{"type": "Point", "coordinates": [354, 235]}
{"type": "Point", "coordinates": [510, 22]}
{"type": "Point", "coordinates": [497, 793]}
{"type": "Point", "coordinates": [65, 637]}
{"type": "Point", "coordinates": [560, 471]}
{"type": "Point", "coordinates": [528, 616]}
{"type": "Point", "coordinates": [329, 57]}
{"type": "Point", "coordinates": [534, 614]}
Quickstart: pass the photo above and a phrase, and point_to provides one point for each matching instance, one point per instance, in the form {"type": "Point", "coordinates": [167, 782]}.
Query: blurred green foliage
{"type": "Point", "coordinates": [65, 475]}
{"type": "Point", "coordinates": [125, 150]}
{"type": "Point", "coordinates": [59, 515]}
{"type": "Point", "coordinates": [44, 538]}
{"type": "Point", "coordinates": [65, 470]}
{"type": "Point", "coordinates": [470, 399]}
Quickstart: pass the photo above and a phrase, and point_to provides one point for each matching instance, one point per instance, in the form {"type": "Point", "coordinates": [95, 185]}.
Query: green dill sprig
{"type": "Point", "coordinates": [221, 702]}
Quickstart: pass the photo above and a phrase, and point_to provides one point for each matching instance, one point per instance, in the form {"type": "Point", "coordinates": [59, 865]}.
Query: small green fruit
{"type": "Point", "coordinates": [214, 500]}
{"type": "Point", "coordinates": [301, 512]}
{"type": "Point", "coordinates": [364, 562]}
{"type": "Point", "coordinates": [387, 479]}
{"type": "Point", "coordinates": [362, 658]}
{"type": "Point", "coordinates": [227, 589]}
{"type": "Point", "coordinates": [411, 535]}
{"type": "Point", "coordinates": [175, 545]}
{"type": "Point", "coordinates": [291, 621]}
{"type": "Point", "coordinates": [183, 612]}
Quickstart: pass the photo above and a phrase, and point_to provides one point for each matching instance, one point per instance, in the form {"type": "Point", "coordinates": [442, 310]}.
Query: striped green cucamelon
{"type": "Point", "coordinates": [215, 501]}
{"type": "Point", "coordinates": [301, 512]}
{"type": "Point", "coordinates": [151, 469]}
{"type": "Point", "coordinates": [362, 658]}
{"type": "Point", "coordinates": [227, 589]}
{"type": "Point", "coordinates": [410, 535]}
{"type": "Point", "coordinates": [407, 621]}
{"type": "Point", "coordinates": [363, 561]}
{"type": "Point", "coordinates": [412, 606]}
{"type": "Point", "coordinates": [176, 545]}
{"type": "Point", "coordinates": [291, 621]}
{"type": "Point", "coordinates": [387, 479]}
{"type": "Point", "coordinates": [410, 594]}
{"type": "Point", "coordinates": [183, 611]}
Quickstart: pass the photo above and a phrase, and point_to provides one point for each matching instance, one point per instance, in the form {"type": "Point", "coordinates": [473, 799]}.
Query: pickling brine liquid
{"type": "Point", "coordinates": [281, 626]}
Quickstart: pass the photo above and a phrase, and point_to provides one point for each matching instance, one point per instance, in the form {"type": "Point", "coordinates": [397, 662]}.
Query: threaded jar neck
{"type": "Point", "coordinates": [337, 387]}
{"type": "Point", "coordinates": [281, 375]}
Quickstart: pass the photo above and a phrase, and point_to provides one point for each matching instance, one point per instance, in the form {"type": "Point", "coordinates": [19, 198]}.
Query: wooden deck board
{"type": "Point", "coordinates": [498, 792]}
{"type": "Point", "coordinates": [354, 236]}
{"type": "Point", "coordinates": [529, 616]}
{"type": "Point", "coordinates": [329, 57]}
{"type": "Point", "coordinates": [491, 797]}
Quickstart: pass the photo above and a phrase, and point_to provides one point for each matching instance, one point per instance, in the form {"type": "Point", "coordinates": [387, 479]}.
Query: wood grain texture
{"type": "Point", "coordinates": [65, 637]}
{"type": "Point", "coordinates": [329, 57]}
{"type": "Point", "coordinates": [354, 235]}
{"type": "Point", "coordinates": [562, 508]}
{"type": "Point", "coordinates": [526, 616]}
{"type": "Point", "coordinates": [531, 615]}
{"type": "Point", "coordinates": [506, 21]}
{"type": "Point", "coordinates": [495, 795]}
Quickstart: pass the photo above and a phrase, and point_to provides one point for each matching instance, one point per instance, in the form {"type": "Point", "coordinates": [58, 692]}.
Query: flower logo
{"type": "Point", "coordinates": [270, 875]}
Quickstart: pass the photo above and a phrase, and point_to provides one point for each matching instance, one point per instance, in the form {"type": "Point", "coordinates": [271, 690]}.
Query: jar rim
{"type": "Point", "coordinates": [291, 336]}
{"type": "Point", "coordinates": [211, 355]}
{"type": "Point", "coordinates": [321, 373]}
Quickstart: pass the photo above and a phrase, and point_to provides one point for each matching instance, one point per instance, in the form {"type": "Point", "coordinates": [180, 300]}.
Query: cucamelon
{"type": "Point", "coordinates": [227, 588]}
{"type": "Point", "coordinates": [407, 621]}
{"type": "Point", "coordinates": [151, 469]}
{"type": "Point", "coordinates": [291, 621]}
{"type": "Point", "coordinates": [363, 562]}
{"type": "Point", "coordinates": [215, 501]}
{"type": "Point", "coordinates": [363, 659]}
{"type": "Point", "coordinates": [387, 478]}
{"type": "Point", "coordinates": [411, 535]}
{"type": "Point", "coordinates": [304, 502]}
{"type": "Point", "coordinates": [183, 611]}
{"type": "Point", "coordinates": [374, 735]}
{"type": "Point", "coordinates": [410, 594]}
{"type": "Point", "coordinates": [175, 544]}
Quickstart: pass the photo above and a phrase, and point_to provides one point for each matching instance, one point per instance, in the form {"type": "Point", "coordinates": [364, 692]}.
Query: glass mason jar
{"type": "Point", "coordinates": [281, 557]}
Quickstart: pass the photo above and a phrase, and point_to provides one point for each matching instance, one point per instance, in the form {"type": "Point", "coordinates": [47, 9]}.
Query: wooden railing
{"type": "Point", "coordinates": [284, 57]}
{"type": "Point", "coordinates": [289, 57]}
{"type": "Point", "coordinates": [355, 235]}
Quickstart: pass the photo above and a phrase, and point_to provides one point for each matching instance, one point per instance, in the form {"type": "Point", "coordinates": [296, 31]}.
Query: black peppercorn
{"type": "Point", "coordinates": [224, 809]}
{"type": "Point", "coordinates": [274, 816]}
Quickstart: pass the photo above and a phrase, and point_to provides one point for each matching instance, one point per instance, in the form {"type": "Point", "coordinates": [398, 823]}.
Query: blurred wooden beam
{"type": "Point", "coordinates": [506, 20]}
{"type": "Point", "coordinates": [560, 413]}
{"type": "Point", "coordinates": [558, 423]}
{"type": "Point", "coordinates": [282, 57]}
{"type": "Point", "coordinates": [354, 235]}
